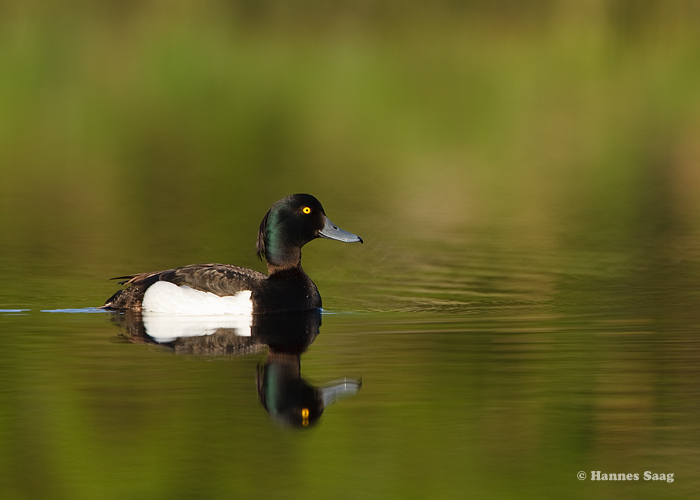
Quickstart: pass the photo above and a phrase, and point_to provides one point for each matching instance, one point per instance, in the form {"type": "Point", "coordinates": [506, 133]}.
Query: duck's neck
{"type": "Point", "coordinates": [288, 260]}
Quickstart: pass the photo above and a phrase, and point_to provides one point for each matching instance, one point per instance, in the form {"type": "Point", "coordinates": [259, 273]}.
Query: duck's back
{"type": "Point", "coordinates": [284, 291]}
{"type": "Point", "coordinates": [219, 279]}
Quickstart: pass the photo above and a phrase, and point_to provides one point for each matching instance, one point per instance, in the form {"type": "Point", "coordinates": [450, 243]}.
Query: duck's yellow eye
{"type": "Point", "coordinates": [306, 210]}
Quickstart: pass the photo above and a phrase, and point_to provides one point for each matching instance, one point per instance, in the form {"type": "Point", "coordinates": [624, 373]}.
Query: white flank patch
{"type": "Point", "coordinates": [171, 311]}
{"type": "Point", "coordinates": [166, 297]}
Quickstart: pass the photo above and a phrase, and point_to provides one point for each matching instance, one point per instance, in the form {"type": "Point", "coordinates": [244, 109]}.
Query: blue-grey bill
{"type": "Point", "coordinates": [333, 232]}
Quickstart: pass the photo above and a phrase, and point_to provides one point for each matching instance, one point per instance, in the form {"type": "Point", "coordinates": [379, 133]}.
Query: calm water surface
{"type": "Point", "coordinates": [467, 367]}
{"type": "Point", "coordinates": [524, 308]}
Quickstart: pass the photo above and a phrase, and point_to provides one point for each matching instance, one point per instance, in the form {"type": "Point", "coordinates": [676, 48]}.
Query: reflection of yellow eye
{"type": "Point", "coordinates": [306, 210]}
{"type": "Point", "coordinates": [305, 417]}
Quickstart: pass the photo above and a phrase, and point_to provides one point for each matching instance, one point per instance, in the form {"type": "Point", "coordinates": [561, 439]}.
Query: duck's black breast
{"type": "Point", "coordinates": [284, 291]}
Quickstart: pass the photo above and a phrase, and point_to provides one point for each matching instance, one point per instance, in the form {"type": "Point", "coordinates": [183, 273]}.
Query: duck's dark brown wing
{"type": "Point", "coordinates": [221, 279]}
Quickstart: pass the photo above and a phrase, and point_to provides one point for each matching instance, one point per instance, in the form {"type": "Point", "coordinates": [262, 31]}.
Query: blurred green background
{"type": "Point", "coordinates": [525, 175]}
{"type": "Point", "coordinates": [144, 135]}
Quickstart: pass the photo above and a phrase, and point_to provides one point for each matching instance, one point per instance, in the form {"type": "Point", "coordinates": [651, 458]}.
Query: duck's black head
{"type": "Point", "coordinates": [289, 225]}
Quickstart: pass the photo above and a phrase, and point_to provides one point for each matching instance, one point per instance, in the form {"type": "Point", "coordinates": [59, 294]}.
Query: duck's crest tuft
{"type": "Point", "coordinates": [260, 245]}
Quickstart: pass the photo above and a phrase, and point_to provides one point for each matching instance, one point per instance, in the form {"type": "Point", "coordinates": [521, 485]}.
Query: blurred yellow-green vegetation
{"type": "Point", "coordinates": [142, 128]}
{"type": "Point", "coordinates": [494, 152]}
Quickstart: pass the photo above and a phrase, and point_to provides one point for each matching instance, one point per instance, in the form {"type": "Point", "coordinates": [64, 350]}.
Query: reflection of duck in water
{"type": "Point", "coordinates": [225, 289]}
{"type": "Point", "coordinates": [284, 394]}
{"type": "Point", "coordinates": [291, 400]}
{"type": "Point", "coordinates": [288, 398]}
